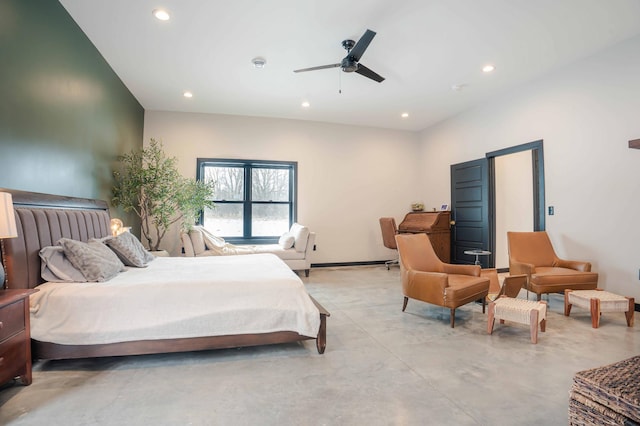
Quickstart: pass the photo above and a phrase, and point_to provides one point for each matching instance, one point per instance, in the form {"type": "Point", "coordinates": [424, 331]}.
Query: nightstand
{"type": "Point", "coordinates": [15, 337]}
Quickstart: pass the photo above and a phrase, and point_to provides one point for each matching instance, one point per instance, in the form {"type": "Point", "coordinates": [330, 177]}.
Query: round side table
{"type": "Point", "coordinates": [477, 254]}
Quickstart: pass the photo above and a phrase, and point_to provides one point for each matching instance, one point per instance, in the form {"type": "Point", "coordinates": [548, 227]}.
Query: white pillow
{"type": "Point", "coordinates": [301, 235]}
{"type": "Point", "coordinates": [286, 241]}
{"type": "Point", "coordinates": [197, 240]}
{"type": "Point", "coordinates": [212, 241]}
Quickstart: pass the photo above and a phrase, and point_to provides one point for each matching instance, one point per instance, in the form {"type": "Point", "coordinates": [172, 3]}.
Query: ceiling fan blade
{"type": "Point", "coordinates": [362, 70]}
{"type": "Point", "coordinates": [362, 44]}
{"type": "Point", "coordinates": [321, 67]}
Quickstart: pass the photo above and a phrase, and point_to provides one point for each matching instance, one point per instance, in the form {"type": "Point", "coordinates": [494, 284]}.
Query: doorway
{"type": "Point", "coordinates": [485, 226]}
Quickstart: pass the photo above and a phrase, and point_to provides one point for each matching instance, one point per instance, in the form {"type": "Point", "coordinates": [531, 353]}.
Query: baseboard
{"type": "Point", "coordinates": [331, 265]}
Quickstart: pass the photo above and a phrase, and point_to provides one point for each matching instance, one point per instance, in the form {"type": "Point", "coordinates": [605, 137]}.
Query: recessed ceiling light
{"type": "Point", "coordinates": [404, 115]}
{"type": "Point", "coordinates": [259, 62]}
{"type": "Point", "coordinates": [488, 68]}
{"type": "Point", "coordinates": [458, 87]}
{"type": "Point", "coordinates": [187, 94]}
{"type": "Point", "coordinates": [305, 104]}
{"type": "Point", "coordinates": [161, 14]}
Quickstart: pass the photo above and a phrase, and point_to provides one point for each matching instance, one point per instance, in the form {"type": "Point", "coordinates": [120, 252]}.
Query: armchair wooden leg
{"type": "Point", "coordinates": [404, 304]}
{"type": "Point", "coordinates": [453, 317]}
{"type": "Point", "coordinates": [306, 273]}
{"type": "Point", "coordinates": [484, 302]}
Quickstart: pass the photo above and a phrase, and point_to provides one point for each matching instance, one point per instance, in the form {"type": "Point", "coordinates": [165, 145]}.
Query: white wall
{"type": "Point", "coordinates": [586, 114]}
{"type": "Point", "coordinates": [348, 176]}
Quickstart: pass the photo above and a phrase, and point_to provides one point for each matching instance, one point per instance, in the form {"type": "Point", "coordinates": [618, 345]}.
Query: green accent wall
{"type": "Point", "coordinates": [65, 115]}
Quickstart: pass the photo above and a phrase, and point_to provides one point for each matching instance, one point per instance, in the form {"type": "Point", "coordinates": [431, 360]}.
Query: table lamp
{"type": "Point", "coordinates": [117, 227]}
{"type": "Point", "coordinates": [7, 226]}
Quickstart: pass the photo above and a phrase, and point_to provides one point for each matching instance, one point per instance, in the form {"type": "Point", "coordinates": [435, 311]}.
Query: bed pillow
{"type": "Point", "coordinates": [286, 241]}
{"type": "Point", "coordinates": [94, 259]}
{"type": "Point", "coordinates": [301, 235]}
{"type": "Point", "coordinates": [56, 268]}
{"type": "Point", "coordinates": [130, 250]}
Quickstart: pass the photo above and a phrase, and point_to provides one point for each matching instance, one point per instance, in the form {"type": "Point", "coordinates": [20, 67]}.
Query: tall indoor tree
{"type": "Point", "coordinates": [149, 184]}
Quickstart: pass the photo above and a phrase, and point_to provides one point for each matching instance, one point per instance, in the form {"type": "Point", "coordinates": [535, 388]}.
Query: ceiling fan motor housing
{"type": "Point", "coordinates": [349, 64]}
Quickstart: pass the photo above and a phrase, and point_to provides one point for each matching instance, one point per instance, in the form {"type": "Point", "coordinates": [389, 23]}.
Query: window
{"type": "Point", "coordinates": [255, 200]}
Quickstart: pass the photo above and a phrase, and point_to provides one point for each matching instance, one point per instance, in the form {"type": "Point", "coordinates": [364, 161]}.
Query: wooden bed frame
{"type": "Point", "coordinates": [42, 219]}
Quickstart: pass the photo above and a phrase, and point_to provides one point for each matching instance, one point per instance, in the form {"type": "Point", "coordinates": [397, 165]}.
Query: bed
{"type": "Point", "coordinates": [174, 291]}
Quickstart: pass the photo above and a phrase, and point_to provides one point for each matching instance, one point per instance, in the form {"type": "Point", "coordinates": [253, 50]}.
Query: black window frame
{"type": "Point", "coordinates": [248, 166]}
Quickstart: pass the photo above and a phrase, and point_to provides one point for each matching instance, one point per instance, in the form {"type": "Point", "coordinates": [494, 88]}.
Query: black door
{"type": "Point", "coordinates": [470, 211]}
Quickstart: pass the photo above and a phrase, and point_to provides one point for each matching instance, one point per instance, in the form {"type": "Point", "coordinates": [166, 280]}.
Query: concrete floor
{"type": "Point", "coordinates": [381, 367]}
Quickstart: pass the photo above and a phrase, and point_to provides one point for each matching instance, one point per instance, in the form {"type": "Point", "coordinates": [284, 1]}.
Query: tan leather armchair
{"type": "Point", "coordinates": [426, 278]}
{"type": "Point", "coordinates": [531, 253]}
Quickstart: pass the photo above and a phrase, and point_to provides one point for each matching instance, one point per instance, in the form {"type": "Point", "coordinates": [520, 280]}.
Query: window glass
{"type": "Point", "coordinates": [229, 182]}
{"type": "Point", "coordinates": [269, 185]}
{"type": "Point", "coordinates": [224, 220]}
{"type": "Point", "coordinates": [269, 219]}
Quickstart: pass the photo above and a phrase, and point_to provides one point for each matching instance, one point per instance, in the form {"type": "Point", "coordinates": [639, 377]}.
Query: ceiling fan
{"type": "Point", "coordinates": [350, 63]}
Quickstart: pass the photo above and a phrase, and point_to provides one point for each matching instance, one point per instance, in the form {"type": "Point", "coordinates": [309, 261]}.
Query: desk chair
{"type": "Point", "coordinates": [389, 231]}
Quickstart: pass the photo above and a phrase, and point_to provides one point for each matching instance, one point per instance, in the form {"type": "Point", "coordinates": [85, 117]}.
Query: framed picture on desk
{"type": "Point", "coordinates": [444, 207]}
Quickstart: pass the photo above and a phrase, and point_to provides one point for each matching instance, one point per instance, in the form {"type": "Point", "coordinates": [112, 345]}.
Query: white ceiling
{"type": "Point", "coordinates": [422, 47]}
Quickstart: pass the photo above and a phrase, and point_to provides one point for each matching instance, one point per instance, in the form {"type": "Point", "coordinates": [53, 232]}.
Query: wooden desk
{"type": "Point", "coordinates": [437, 226]}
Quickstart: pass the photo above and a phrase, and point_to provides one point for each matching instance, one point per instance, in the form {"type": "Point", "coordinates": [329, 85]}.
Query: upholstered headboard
{"type": "Point", "coordinates": [41, 220]}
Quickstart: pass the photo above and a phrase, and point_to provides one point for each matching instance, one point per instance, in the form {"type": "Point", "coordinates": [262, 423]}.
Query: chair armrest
{"type": "Point", "coordinates": [473, 270]}
{"type": "Point", "coordinates": [573, 264]}
{"type": "Point", "coordinates": [518, 268]}
{"type": "Point", "coordinates": [435, 280]}
{"type": "Point", "coordinates": [426, 286]}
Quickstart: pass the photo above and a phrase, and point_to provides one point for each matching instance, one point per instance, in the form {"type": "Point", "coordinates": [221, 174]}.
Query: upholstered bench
{"type": "Point", "coordinates": [598, 301]}
{"type": "Point", "coordinates": [518, 310]}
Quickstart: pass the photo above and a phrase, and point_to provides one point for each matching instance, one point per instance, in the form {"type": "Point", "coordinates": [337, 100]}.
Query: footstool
{"type": "Point", "coordinates": [599, 301]}
{"type": "Point", "coordinates": [522, 311]}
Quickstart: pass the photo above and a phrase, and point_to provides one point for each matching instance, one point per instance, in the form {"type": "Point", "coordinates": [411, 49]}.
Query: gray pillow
{"type": "Point", "coordinates": [93, 259]}
{"type": "Point", "coordinates": [130, 251]}
{"type": "Point", "coordinates": [56, 268]}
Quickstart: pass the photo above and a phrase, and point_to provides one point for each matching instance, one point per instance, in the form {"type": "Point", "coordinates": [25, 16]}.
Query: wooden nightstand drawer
{"type": "Point", "coordinates": [12, 354]}
{"type": "Point", "coordinates": [15, 338]}
{"type": "Point", "coordinates": [11, 319]}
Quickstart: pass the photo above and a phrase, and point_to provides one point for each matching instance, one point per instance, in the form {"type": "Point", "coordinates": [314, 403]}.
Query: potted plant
{"type": "Point", "coordinates": [149, 184]}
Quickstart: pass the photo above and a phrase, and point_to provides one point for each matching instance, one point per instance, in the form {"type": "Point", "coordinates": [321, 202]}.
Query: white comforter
{"type": "Point", "coordinates": [177, 298]}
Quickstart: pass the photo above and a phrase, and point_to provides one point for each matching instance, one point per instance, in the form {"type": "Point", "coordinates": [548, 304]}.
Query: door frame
{"type": "Point", "coordinates": [537, 163]}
